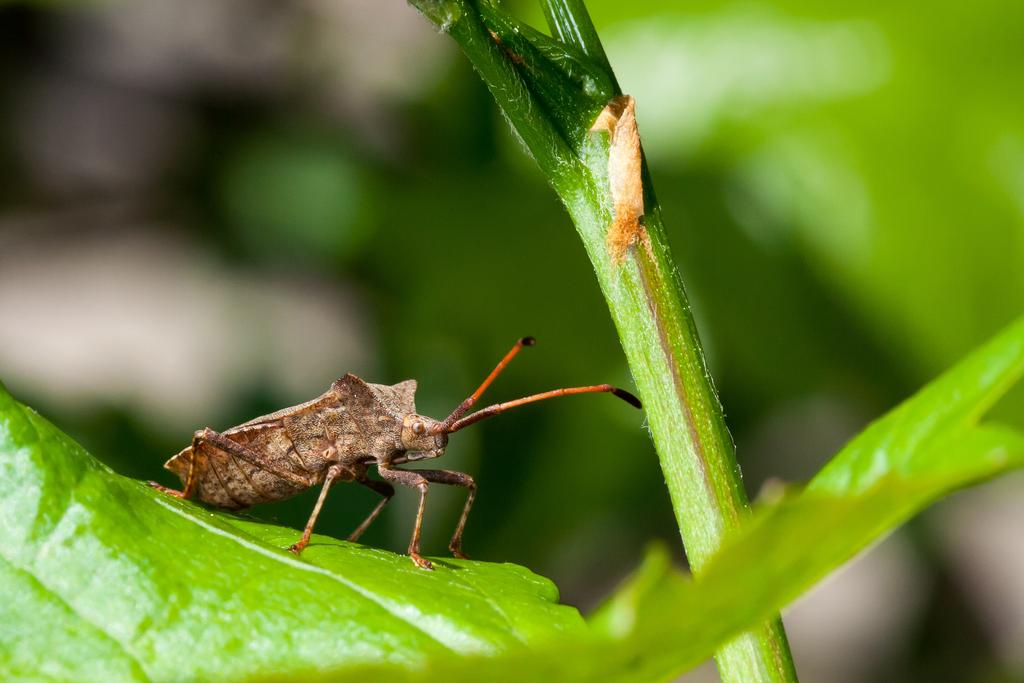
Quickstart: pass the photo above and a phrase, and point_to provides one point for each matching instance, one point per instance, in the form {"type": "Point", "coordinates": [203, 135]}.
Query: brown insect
{"type": "Point", "coordinates": [336, 437]}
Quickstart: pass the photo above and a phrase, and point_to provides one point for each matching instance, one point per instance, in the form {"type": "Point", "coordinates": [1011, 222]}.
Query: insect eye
{"type": "Point", "coordinates": [418, 428]}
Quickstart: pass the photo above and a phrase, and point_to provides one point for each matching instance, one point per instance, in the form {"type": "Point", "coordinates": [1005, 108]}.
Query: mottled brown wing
{"type": "Point", "coordinates": [290, 446]}
{"type": "Point", "coordinates": [227, 481]}
{"type": "Point", "coordinates": [234, 480]}
{"type": "Point", "coordinates": [297, 439]}
{"type": "Point", "coordinates": [281, 473]}
{"type": "Point", "coordinates": [230, 482]}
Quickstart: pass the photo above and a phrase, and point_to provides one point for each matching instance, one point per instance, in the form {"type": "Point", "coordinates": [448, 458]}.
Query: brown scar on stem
{"type": "Point", "coordinates": [618, 119]}
{"type": "Point", "coordinates": [516, 59]}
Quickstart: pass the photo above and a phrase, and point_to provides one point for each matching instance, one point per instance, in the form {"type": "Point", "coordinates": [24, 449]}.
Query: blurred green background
{"type": "Point", "coordinates": [212, 210]}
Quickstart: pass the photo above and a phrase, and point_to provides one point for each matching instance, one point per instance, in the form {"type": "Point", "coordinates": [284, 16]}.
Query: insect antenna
{"type": "Point", "coordinates": [491, 411]}
{"type": "Point", "coordinates": [456, 421]}
{"type": "Point", "coordinates": [475, 396]}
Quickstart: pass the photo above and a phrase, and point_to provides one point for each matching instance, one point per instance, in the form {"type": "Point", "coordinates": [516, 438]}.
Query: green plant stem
{"type": "Point", "coordinates": [651, 313]}
{"type": "Point", "coordinates": [649, 307]}
{"type": "Point", "coordinates": [570, 22]}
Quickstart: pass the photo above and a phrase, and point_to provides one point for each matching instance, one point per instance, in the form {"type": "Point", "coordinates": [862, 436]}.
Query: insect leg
{"type": "Point", "coordinates": [454, 479]}
{"type": "Point", "coordinates": [166, 489]}
{"type": "Point", "coordinates": [383, 488]}
{"type": "Point", "coordinates": [412, 479]}
{"type": "Point", "coordinates": [332, 472]}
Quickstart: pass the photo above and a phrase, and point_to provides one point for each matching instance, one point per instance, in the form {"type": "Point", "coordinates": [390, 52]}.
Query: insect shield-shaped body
{"type": "Point", "coordinates": [336, 437]}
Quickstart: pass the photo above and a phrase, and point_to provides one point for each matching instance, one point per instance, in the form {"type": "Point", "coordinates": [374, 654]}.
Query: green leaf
{"type": "Point", "coordinates": [921, 450]}
{"type": "Point", "coordinates": [105, 579]}
{"type": "Point", "coordinates": [784, 551]}
{"type": "Point", "coordinates": [661, 622]}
